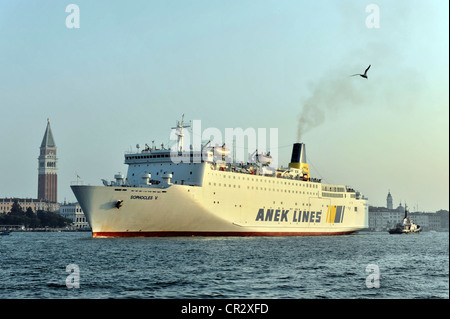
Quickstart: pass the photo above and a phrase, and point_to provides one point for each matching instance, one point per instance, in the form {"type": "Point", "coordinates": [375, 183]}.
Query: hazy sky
{"type": "Point", "coordinates": [133, 67]}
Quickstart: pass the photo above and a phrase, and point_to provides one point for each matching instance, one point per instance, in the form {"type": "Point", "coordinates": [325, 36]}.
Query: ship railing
{"type": "Point", "coordinates": [77, 182]}
{"type": "Point", "coordinates": [251, 170]}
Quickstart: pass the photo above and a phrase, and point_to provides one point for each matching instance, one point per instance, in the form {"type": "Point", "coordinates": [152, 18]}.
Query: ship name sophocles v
{"type": "Point", "coordinates": [207, 195]}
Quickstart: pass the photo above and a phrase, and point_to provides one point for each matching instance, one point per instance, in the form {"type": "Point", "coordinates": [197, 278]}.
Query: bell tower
{"type": "Point", "coordinates": [389, 204]}
{"type": "Point", "coordinates": [47, 178]}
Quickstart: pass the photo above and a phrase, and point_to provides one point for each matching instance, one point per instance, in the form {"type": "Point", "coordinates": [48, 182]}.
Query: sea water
{"type": "Point", "coordinates": [363, 265]}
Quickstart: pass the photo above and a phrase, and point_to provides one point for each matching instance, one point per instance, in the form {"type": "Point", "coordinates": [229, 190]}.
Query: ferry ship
{"type": "Point", "coordinates": [206, 195]}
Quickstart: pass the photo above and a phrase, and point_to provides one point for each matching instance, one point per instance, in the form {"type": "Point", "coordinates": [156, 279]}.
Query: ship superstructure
{"type": "Point", "coordinates": [177, 192]}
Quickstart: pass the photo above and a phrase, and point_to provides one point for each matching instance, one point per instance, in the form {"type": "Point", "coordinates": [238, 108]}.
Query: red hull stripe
{"type": "Point", "coordinates": [206, 233]}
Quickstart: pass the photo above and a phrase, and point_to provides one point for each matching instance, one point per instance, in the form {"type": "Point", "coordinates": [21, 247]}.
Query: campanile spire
{"type": "Point", "coordinates": [47, 178]}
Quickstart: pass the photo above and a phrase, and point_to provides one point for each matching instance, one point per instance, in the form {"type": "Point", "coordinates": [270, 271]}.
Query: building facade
{"type": "Point", "coordinates": [48, 169]}
{"type": "Point", "coordinates": [383, 219]}
{"type": "Point", "coordinates": [74, 212]}
{"type": "Point", "coordinates": [25, 203]}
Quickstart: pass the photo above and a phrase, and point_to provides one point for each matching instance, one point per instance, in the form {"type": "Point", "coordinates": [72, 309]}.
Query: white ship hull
{"type": "Point", "coordinates": [229, 208]}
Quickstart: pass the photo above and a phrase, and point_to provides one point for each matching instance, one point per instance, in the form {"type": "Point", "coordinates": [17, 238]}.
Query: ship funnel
{"type": "Point", "coordinates": [298, 160]}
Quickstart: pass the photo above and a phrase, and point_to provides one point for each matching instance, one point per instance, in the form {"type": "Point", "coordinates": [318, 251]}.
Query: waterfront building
{"type": "Point", "coordinates": [382, 219]}
{"type": "Point", "coordinates": [25, 203]}
{"type": "Point", "coordinates": [400, 208]}
{"type": "Point", "coordinates": [74, 212]}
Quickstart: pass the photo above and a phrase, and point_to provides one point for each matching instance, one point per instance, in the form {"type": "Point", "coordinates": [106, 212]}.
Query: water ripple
{"type": "Point", "coordinates": [33, 265]}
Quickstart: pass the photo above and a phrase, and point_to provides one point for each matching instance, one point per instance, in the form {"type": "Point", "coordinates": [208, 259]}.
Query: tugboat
{"type": "Point", "coordinates": [407, 227]}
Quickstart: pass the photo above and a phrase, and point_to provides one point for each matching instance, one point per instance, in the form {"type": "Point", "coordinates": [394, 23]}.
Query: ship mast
{"type": "Point", "coordinates": [179, 132]}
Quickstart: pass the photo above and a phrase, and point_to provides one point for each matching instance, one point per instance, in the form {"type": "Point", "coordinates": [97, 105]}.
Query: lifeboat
{"type": "Point", "coordinates": [220, 150]}
{"type": "Point", "coordinates": [264, 159]}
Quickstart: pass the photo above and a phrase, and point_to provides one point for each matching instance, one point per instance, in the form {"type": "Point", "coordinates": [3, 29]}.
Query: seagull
{"type": "Point", "coordinates": [365, 73]}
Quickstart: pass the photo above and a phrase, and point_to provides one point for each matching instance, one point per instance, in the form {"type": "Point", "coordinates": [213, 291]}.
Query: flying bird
{"type": "Point", "coordinates": [363, 75]}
